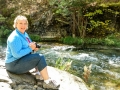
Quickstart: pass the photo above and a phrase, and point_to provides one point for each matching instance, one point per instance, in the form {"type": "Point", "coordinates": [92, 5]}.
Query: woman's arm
{"type": "Point", "coordinates": [16, 48]}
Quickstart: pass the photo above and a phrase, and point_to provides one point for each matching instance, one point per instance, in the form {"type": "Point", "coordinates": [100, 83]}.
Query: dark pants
{"type": "Point", "coordinates": [27, 63]}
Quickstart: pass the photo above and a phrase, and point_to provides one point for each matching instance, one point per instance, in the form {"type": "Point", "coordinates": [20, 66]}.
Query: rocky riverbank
{"type": "Point", "coordinates": [28, 81]}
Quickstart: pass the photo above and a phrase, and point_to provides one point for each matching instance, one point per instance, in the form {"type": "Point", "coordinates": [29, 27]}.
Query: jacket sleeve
{"type": "Point", "coordinates": [16, 48]}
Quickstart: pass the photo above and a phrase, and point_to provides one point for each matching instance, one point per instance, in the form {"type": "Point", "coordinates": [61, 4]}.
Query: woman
{"type": "Point", "coordinates": [19, 58]}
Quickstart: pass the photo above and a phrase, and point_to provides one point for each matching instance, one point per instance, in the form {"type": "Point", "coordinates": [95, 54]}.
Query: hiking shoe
{"type": "Point", "coordinates": [51, 85]}
{"type": "Point", "coordinates": [39, 77]}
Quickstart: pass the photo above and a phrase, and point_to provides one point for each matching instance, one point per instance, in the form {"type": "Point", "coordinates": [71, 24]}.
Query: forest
{"type": "Point", "coordinates": [76, 22]}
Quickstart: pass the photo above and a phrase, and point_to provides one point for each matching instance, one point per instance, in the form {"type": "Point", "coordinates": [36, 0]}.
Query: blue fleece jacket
{"type": "Point", "coordinates": [17, 46]}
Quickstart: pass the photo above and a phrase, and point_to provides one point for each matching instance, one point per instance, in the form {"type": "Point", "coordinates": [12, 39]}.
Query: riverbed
{"type": "Point", "coordinates": [105, 70]}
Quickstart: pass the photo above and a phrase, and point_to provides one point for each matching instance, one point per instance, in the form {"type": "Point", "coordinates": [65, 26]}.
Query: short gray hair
{"type": "Point", "coordinates": [19, 17]}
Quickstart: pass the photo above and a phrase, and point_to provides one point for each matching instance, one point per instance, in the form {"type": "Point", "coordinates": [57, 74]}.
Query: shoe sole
{"type": "Point", "coordinates": [57, 88]}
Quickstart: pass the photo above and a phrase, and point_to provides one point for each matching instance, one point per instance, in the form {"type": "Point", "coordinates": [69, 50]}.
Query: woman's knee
{"type": "Point", "coordinates": [42, 64]}
{"type": "Point", "coordinates": [42, 57]}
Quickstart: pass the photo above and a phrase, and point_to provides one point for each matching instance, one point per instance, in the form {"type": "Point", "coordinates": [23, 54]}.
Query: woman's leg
{"type": "Point", "coordinates": [27, 63]}
{"type": "Point", "coordinates": [44, 74]}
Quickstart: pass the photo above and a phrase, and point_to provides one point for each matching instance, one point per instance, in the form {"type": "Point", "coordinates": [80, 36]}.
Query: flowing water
{"type": "Point", "coordinates": [105, 69]}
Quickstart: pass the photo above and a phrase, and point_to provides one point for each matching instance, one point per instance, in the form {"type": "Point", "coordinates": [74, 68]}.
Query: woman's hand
{"type": "Point", "coordinates": [32, 45]}
{"type": "Point", "coordinates": [36, 49]}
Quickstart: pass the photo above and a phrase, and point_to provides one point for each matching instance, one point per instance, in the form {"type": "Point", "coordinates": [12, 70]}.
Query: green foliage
{"type": "Point", "coordinates": [67, 7]}
{"type": "Point", "coordinates": [62, 64]}
{"type": "Point", "coordinates": [67, 40]}
{"type": "Point", "coordinates": [2, 19]}
{"type": "Point", "coordinates": [90, 15]}
{"type": "Point", "coordinates": [102, 20]}
{"type": "Point", "coordinates": [62, 6]}
{"type": "Point", "coordinates": [112, 40]}
{"type": "Point", "coordinates": [101, 17]}
{"type": "Point", "coordinates": [109, 42]}
{"type": "Point", "coordinates": [80, 41]}
{"type": "Point", "coordinates": [93, 40]}
{"type": "Point", "coordinates": [70, 40]}
{"type": "Point", "coordinates": [100, 28]}
{"type": "Point", "coordinates": [35, 38]}
{"type": "Point", "coordinates": [4, 32]}
{"type": "Point", "coordinates": [93, 18]}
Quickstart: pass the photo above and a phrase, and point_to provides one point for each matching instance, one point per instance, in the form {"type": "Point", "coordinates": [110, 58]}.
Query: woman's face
{"type": "Point", "coordinates": [21, 25]}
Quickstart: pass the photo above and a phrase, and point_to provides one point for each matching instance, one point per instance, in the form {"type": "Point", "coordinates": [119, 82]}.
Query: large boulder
{"type": "Point", "coordinates": [28, 81]}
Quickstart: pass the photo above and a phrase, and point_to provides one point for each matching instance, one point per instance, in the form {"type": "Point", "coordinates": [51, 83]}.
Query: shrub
{"type": "Point", "coordinates": [109, 42]}
{"type": "Point", "coordinates": [35, 37]}
{"type": "Point", "coordinates": [94, 40]}
{"type": "Point", "coordinates": [112, 40]}
{"type": "Point", "coordinates": [62, 64]}
{"type": "Point", "coordinates": [4, 32]}
{"type": "Point", "coordinates": [70, 40]}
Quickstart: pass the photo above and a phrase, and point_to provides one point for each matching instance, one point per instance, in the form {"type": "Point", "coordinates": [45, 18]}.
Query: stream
{"type": "Point", "coordinates": [105, 70]}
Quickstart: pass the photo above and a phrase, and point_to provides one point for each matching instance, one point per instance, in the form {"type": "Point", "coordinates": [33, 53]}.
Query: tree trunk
{"type": "Point", "coordinates": [73, 28]}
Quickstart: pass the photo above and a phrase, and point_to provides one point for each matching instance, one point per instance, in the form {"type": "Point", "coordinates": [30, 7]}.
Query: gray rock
{"type": "Point", "coordinates": [67, 81]}
{"type": "Point", "coordinates": [27, 81]}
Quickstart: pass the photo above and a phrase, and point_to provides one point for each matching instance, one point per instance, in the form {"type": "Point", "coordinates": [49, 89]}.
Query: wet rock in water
{"type": "Point", "coordinates": [28, 81]}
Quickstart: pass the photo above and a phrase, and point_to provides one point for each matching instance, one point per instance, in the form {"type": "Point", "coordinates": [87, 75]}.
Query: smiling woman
{"type": "Point", "coordinates": [21, 24]}
{"type": "Point", "coordinates": [19, 57]}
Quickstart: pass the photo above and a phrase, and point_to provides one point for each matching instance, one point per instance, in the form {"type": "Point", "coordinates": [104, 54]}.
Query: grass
{"type": "Point", "coordinates": [110, 40]}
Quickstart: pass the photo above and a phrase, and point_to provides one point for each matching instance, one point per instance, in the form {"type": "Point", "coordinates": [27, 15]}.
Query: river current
{"type": "Point", "coordinates": [105, 70]}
